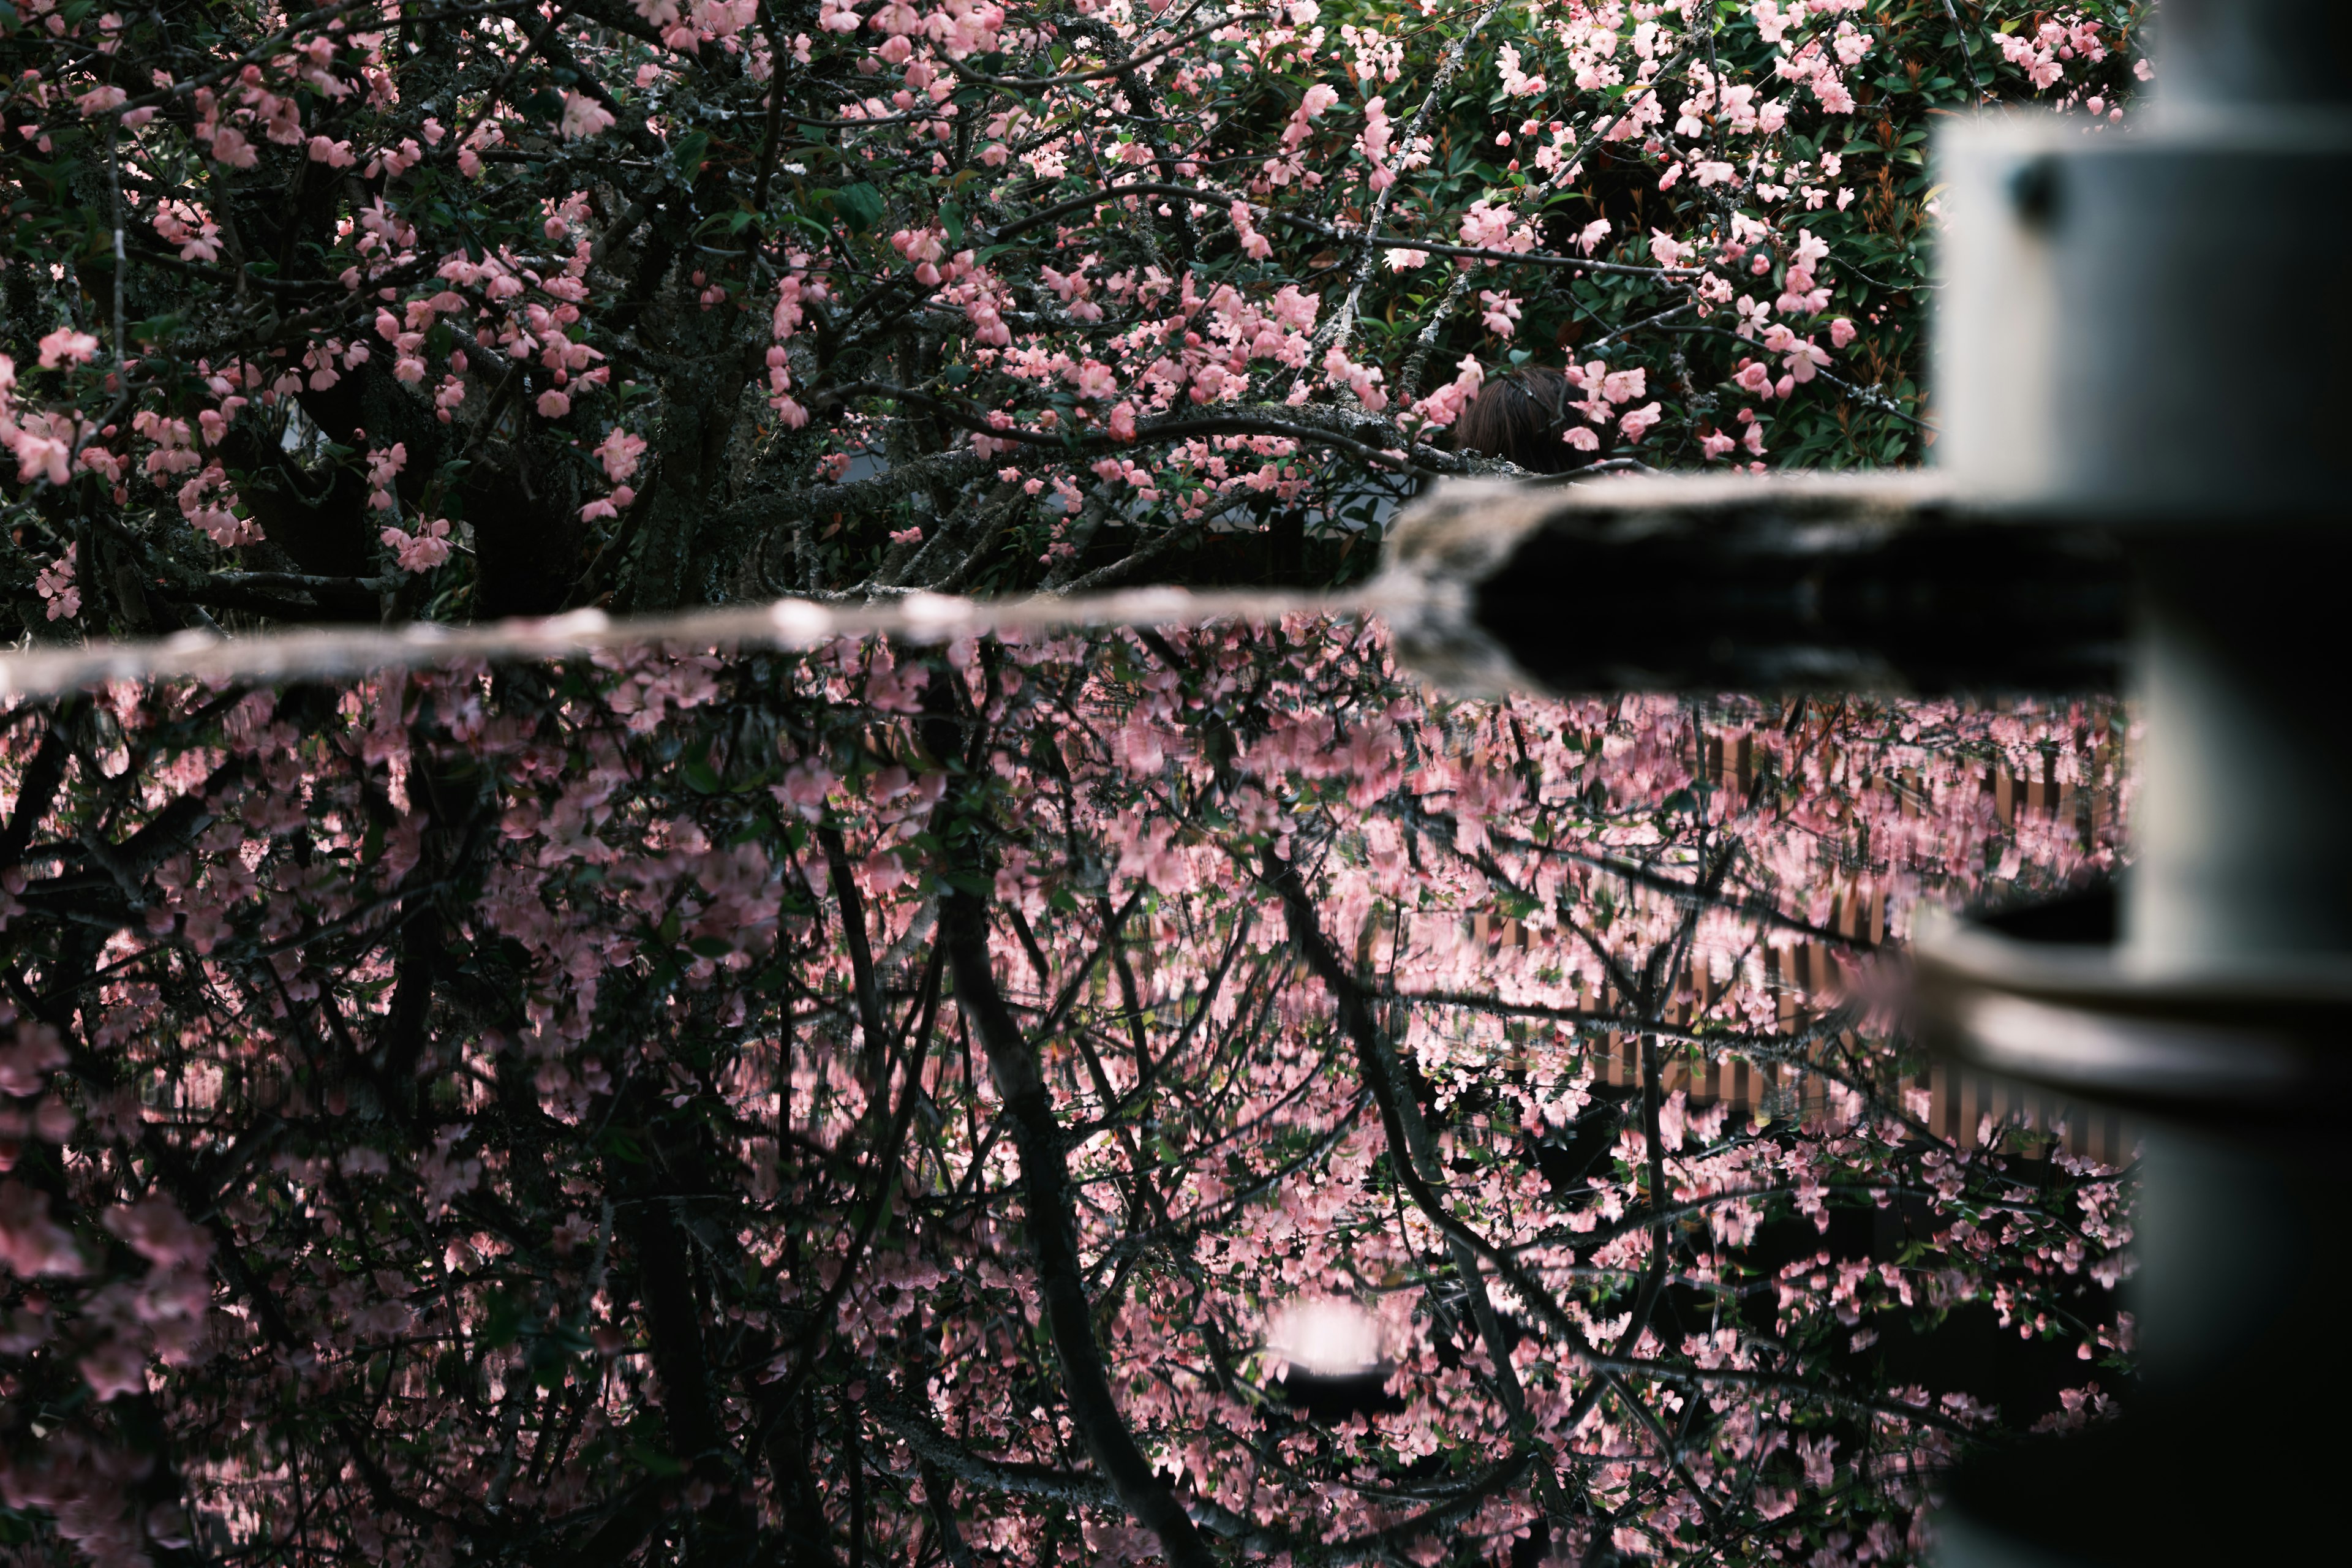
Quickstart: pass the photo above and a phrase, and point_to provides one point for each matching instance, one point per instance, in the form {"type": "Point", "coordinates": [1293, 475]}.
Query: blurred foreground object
{"type": "Point", "coordinates": [1723, 583]}
{"type": "Point", "coordinates": [2087, 467]}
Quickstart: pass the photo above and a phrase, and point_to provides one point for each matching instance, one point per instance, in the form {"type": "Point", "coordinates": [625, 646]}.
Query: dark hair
{"type": "Point", "coordinates": [1521, 419]}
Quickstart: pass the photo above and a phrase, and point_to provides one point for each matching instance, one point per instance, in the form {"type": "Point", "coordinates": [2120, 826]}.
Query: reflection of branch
{"type": "Point", "coordinates": [885, 1174]}
{"type": "Point", "coordinates": [1356, 1020]}
{"type": "Point", "coordinates": [1037, 1136]}
{"type": "Point", "coordinates": [933, 1447]}
{"type": "Point", "coordinates": [1652, 1216]}
{"type": "Point", "coordinates": [1669, 1449]}
{"type": "Point", "coordinates": [1828, 1025]}
{"type": "Point", "coordinates": [1699, 1376]}
{"type": "Point", "coordinates": [36, 786]}
{"type": "Point", "coordinates": [1674, 887]}
{"type": "Point", "coordinates": [1193, 1225]}
{"type": "Point", "coordinates": [860, 949]}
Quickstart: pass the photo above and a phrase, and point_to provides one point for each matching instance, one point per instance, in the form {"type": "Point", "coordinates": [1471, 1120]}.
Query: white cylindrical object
{"type": "Point", "coordinates": [2140, 324]}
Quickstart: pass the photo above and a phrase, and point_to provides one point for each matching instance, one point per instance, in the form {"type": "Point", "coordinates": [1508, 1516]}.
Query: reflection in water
{"type": "Point", "coordinates": [1325, 1337]}
{"type": "Point", "coordinates": [872, 1104]}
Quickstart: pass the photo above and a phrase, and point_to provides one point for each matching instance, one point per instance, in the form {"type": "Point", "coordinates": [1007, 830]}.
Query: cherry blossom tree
{"type": "Point", "coordinates": [918, 1103]}
{"type": "Point", "coordinates": [449, 309]}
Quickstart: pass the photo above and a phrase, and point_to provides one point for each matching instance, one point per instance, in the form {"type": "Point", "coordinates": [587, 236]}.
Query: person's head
{"type": "Point", "coordinates": [1521, 419]}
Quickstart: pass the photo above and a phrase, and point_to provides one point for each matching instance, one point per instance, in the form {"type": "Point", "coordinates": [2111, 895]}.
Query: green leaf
{"type": "Point", "coordinates": [951, 215]}
{"type": "Point", "coordinates": [860, 206]}
{"type": "Point", "coordinates": [1517, 905]}
{"type": "Point", "coordinates": [685, 156]}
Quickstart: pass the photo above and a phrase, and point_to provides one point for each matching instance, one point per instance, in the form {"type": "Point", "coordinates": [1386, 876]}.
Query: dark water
{"type": "Point", "coordinates": [948, 1100]}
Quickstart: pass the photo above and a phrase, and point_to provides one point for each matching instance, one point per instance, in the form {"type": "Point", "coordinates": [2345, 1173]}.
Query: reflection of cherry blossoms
{"type": "Point", "coordinates": [736, 1099]}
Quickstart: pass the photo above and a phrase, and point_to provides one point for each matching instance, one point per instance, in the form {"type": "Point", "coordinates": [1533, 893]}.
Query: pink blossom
{"type": "Point", "coordinates": [41, 451]}
{"type": "Point", "coordinates": [115, 1368]}
{"type": "Point", "coordinates": [1804, 359]}
{"type": "Point", "coordinates": [806, 783]}
{"type": "Point", "coordinates": [68, 346]}
{"type": "Point", "coordinates": [420, 552]}
{"type": "Point", "coordinates": [230, 147]}
{"type": "Point", "coordinates": [584, 115]}
{"type": "Point", "coordinates": [55, 584]}
{"type": "Point", "coordinates": [1635, 422]}
{"type": "Point", "coordinates": [156, 1229]}
{"type": "Point", "coordinates": [31, 1243]}
{"type": "Point", "coordinates": [620, 452]}
{"type": "Point", "coordinates": [25, 1063]}
{"type": "Point", "coordinates": [1623, 385]}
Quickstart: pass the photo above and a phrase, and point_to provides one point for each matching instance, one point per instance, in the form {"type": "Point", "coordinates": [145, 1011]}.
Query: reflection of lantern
{"type": "Point", "coordinates": [1327, 1339]}
{"type": "Point", "coordinates": [1328, 1355]}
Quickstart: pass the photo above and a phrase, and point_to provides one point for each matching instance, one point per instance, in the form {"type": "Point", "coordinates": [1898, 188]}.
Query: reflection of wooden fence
{"type": "Point", "coordinates": [1730, 763]}
{"type": "Point", "coordinates": [1805, 975]}
{"type": "Point", "coordinates": [1959, 1100]}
